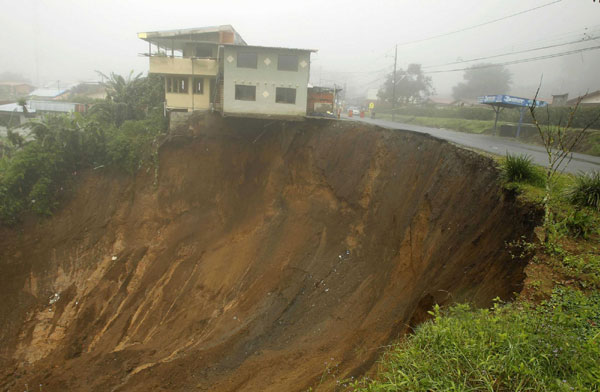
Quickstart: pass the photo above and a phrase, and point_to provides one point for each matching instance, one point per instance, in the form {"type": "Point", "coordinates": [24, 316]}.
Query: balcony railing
{"type": "Point", "coordinates": [183, 66]}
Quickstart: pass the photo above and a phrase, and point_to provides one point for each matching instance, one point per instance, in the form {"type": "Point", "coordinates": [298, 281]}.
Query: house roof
{"type": "Point", "coordinates": [165, 37]}
{"type": "Point", "coordinates": [15, 84]}
{"type": "Point", "coordinates": [270, 47]}
{"type": "Point", "coordinates": [15, 107]}
{"type": "Point", "coordinates": [583, 97]}
{"type": "Point", "coordinates": [48, 92]}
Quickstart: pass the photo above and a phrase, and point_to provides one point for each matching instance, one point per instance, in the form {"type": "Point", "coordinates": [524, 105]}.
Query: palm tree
{"type": "Point", "coordinates": [122, 97]}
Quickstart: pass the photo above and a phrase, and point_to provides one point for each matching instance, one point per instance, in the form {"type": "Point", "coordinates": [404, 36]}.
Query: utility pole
{"type": "Point", "coordinates": [394, 88]}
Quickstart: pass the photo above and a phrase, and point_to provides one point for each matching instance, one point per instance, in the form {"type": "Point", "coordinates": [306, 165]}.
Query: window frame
{"type": "Point", "coordinates": [290, 69]}
{"type": "Point", "coordinates": [285, 91]}
{"type": "Point", "coordinates": [242, 87]}
{"type": "Point", "coordinates": [177, 85]}
{"type": "Point", "coordinates": [246, 53]}
{"type": "Point", "coordinates": [195, 85]}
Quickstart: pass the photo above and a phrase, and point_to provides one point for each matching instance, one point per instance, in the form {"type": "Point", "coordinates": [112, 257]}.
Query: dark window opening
{"type": "Point", "coordinates": [198, 86]}
{"type": "Point", "coordinates": [285, 95]}
{"type": "Point", "coordinates": [203, 52]}
{"type": "Point", "coordinates": [246, 60]}
{"type": "Point", "coordinates": [245, 93]}
{"type": "Point", "coordinates": [287, 62]}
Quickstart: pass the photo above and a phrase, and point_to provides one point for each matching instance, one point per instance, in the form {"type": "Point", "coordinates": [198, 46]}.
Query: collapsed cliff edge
{"type": "Point", "coordinates": [259, 255]}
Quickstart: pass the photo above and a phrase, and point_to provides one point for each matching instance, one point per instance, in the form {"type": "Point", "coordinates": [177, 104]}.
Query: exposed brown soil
{"type": "Point", "coordinates": [263, 256]}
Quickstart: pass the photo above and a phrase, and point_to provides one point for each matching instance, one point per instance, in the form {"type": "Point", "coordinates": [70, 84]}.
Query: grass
{"type": "Point", "coordinates": [586, 191]}
{"type": "Point", "coordinates": [510, 347]}
{"type": "Point", "coordinates": [457, 124]}
{"type": "Point", "coordinates": [548, 339]}
{"type": "Point", "coordinates": [520, 168]}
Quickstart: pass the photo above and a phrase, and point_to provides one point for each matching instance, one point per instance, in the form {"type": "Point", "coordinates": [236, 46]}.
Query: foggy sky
{"type": "Point", "coordinates": [67, 40]}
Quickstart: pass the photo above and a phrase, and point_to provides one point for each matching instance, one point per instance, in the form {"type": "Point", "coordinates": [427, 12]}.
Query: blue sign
{"type": "Point", "coordinates": [509, 101]}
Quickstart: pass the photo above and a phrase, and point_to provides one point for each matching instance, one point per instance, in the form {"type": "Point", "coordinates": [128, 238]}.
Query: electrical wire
{"type": "Point", "coordinates": [480, 24]}
{"type": "Point", "coordinates": [513, 53]}
{"type": "Point", "coordinates": [527, 60]}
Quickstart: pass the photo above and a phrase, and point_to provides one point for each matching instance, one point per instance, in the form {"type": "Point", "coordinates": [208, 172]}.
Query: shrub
{"type": "Point", "coordinates": [520, 168]}
{"type": "Point", "coordinates": [586, 191]}
{"type": "Point", "coordinates": [553, 347]}
{"type": "Point", "coordinates": [34, 176]}
{"type": "Point", "coordinates": [578, 224]}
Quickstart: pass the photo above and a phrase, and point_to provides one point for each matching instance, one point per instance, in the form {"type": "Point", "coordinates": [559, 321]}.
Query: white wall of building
{"type": "Point", "coordinates": [266, 77]}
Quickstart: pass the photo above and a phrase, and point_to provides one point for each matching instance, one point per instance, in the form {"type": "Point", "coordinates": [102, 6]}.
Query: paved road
{"type": "Point", "coordinates": [495, 145]}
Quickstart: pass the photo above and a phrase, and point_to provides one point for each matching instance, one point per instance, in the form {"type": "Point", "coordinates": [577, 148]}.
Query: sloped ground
{"type": "Point", "coordinates": [261, 256]}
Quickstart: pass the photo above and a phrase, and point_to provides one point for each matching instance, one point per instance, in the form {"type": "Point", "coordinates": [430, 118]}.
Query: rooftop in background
{"type": "Point", "coordinates": [592, 98]}
{"type": "Point", "coordinates": [15, 84]}
{"type": "Point", "coordinates": [15, 108]}
{"type": "Point", "coordinates": [48, 92]}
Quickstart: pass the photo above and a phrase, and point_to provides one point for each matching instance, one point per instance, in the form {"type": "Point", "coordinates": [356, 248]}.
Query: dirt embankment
{"type": "Point", "coordinates": [263, 256]}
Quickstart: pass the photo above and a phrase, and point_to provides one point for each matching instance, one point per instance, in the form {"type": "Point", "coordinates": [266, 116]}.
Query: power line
{"type": "Point", "coordinates": [513, 53]}
{"type": "Point", "coordinates": [480, 24]}
{"type": "Point", "coordinates": [527, 60]}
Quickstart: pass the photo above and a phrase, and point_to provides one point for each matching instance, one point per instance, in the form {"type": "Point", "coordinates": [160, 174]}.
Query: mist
{"type": "Point", "coordinates": [62, 43]}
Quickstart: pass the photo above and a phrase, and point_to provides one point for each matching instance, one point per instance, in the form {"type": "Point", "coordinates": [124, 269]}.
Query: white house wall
{"type": "Point", "coordinates": [266, 77]}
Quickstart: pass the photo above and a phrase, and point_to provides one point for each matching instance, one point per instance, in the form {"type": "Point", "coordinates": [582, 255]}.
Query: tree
{"type": "Point", "coordinates": [411, 85]}
{"type": "Point", "coordinates": [483, 79]}
{"type": "Point", "coordinates": [129, 98]}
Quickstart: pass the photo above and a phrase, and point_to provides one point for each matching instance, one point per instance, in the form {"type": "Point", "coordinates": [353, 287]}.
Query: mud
{"type": "Point", "coordinates": [258, 256]}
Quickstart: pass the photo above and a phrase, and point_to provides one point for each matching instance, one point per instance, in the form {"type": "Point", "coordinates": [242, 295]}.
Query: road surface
{"type": "Point", "coordinates": [495, 145]}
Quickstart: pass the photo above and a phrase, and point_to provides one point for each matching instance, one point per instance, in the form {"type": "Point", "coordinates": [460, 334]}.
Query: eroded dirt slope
{"type": "Point", "coordinates": [259, 255]}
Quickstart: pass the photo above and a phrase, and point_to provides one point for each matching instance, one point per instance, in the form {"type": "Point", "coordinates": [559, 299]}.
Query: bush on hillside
{"type": "Point", "coordinates": [520, 168]}
{"type": "Point", "coordinates": [118, 131]}
{"type": "Point", "coordinates": [586, 191]}
{"type": "Point", "coordinates": [35, 176]}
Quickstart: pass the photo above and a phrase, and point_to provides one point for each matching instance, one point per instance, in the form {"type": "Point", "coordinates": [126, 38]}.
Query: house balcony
{"type": "Point", "coordinates": [183, 66]}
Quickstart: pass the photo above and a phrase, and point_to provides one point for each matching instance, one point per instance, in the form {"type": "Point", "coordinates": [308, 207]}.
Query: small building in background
{"type": "Point", "coordinates": [48, 93]}
{"type": "Point", "coordinates": [590, 99]}
{"type": "Point", "coordinates": [12, 114]}
{"type": "Point", "coordinates": [15, 89]}
{"type": "Point", "coordinates": [213, 68]}
{"type": "Point", "coordinates": [322, 101]}
{"type": "Point", "coordinates": [560, 99]}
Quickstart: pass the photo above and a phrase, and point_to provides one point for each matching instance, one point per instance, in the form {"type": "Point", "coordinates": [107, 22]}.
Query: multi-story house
{"type": "Point", "coordinates": [212, 68]}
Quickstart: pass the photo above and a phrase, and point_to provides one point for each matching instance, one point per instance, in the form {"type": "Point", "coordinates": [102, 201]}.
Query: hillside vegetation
{"type": "Point", "coordinates": [36, 170]}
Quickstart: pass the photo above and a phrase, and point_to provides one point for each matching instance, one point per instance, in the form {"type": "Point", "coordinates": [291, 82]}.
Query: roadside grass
{"type": "Point", "coordinates": [586, 191]}
{"type": "Point", "coordinates": [520, 168]}
{"type": "Point", "coordinates": [510, 347]}
{"type": "Point", "coordinates": [589, 145]}
{"type": "Point", "coordinates": [456, 124]}
{"type": "Point", "coordinates": [548, 339]}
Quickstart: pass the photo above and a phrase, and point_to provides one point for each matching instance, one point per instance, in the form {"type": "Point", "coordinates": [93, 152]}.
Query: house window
{"type": "Point", "coordinates": [177, 85]}
{"type": "Point", "coordinates": [198, 86]}
{"type": "Point", "coordinates": [245, 93]}
{"type": "Point", "coordinates": [246, 60]}
{"type": "Point", "coordinates": [287, 62]}
{"type": "Point", "coordinates": [285, 95]}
